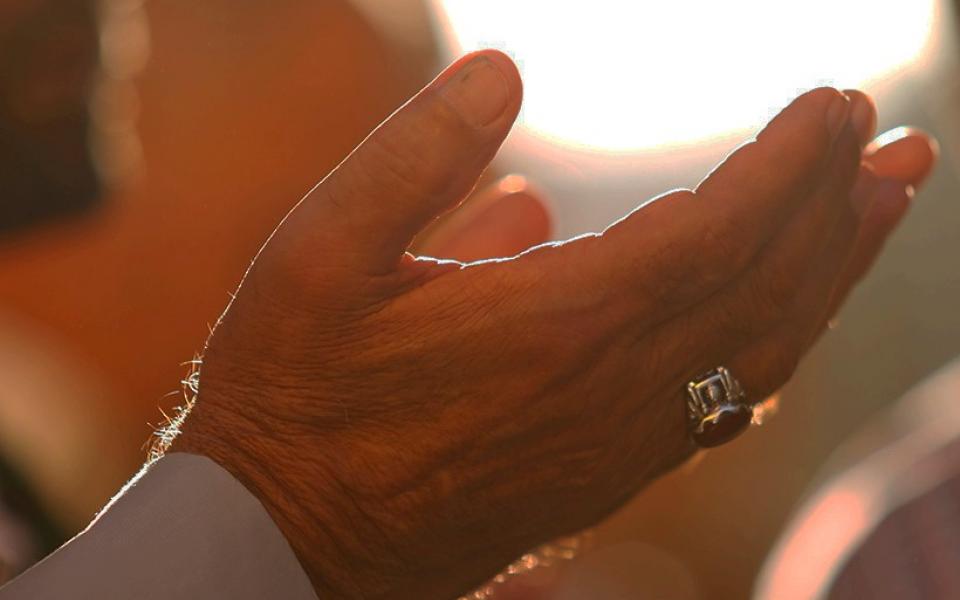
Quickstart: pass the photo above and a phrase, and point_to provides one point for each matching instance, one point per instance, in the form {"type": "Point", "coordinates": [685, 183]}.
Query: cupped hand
{"type": "Point", "coordinates": [413, 425]}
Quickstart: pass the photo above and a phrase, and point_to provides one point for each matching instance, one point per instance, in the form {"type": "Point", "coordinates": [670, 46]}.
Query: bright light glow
{"type": "Point", "coordinates": [620, 76]}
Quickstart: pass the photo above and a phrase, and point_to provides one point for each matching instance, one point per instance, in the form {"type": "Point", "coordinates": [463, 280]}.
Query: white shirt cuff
{"type": "Point", "coordinates": [184, 528]}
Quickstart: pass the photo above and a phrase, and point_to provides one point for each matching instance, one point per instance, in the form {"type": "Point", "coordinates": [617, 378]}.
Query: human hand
{"type": "Point", "coordinates": [904, 155]}
{"type": "Point", "coordinates": [907, 160]}
{"type": "Point", "coordinates": [413, 425]}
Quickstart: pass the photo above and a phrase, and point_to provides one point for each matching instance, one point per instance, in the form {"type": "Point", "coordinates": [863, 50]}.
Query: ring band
{"type": "Point", "coordinates": [717, 408]}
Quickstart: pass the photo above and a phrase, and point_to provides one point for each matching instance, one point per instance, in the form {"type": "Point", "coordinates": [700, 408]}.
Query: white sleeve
{"type": "Point", "coordinates": [183, 528]}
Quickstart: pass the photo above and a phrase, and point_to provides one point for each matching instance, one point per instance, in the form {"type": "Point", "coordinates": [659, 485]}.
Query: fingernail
{"type": "Point", "coordinates": [864, 191]}
{"type": "Point", "coordinates": [837, 115]}
{"type": "Point", "coordinates": [861, 117]}
{"type": "Point", "coordinates": [477, 92]}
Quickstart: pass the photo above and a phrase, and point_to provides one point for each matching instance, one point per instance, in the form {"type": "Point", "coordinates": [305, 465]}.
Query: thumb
{"type": "Point", "coordinates": [418, 163]}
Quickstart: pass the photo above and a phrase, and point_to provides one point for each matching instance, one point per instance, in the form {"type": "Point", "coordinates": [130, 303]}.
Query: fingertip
{"type": "Point", "coordinates": [525, 190]}
{"type": "Point", "coordinates": [797, 140]}
{"type": "Point", "coordinates": [905, 154]}
{"type": "Point", "coordinates": [818, 100]}
{"type": "Point", "coordinates": [515, 199]}
{"type": "Point", "coordinates": [802, 134]}
{"type": "Point", "coordinates": [502, 61]}
{"type": "Point", "coordinates": [863, 114]}
{"type": "Point", "coordinates": [507, 67]}
{"type": "Point", "coordinates": [897, 134]}
{"type": "Point", "coordinates": [820, 96]}
{"type": "Point", "coordinates": [502, 220]}
{"type": "Point", "coordinates": [812, 105]}
{"type": "Point", "coordinates": [530, 208]}
{"type": "Point", "coordinates": [512, 184]}
{"type": "Point", "coordinates": [519, 218]}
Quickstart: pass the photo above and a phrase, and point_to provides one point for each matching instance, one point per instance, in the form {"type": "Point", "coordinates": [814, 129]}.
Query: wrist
{"type": "Point", "coordinates": [263, 466]}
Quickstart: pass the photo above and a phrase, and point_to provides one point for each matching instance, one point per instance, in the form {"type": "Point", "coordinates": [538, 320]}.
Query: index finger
{"type": "Point", "coordinates": [684, 246]}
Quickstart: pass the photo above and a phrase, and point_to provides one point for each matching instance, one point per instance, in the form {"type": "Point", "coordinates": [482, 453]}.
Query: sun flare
{"type": "Point", "coordinates": [615, 76]}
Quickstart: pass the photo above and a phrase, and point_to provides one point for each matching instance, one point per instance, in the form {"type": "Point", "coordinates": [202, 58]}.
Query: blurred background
{"type": "Point", "coordinates": [168, 138]}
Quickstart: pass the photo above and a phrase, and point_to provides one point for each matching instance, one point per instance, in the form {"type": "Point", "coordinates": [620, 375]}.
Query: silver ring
{"type": "Point", "coordinates": [717, 408]}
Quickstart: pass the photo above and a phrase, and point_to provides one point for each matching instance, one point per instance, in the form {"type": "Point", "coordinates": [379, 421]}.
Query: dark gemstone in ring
{"type": "Point", "coordinates": [722, 425]}
{"type": "Point", "coordinates": [717, 408]}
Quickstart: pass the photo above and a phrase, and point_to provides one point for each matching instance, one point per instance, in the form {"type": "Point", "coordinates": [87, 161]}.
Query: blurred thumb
{"type": "Point", "coordinates": [499, 221]}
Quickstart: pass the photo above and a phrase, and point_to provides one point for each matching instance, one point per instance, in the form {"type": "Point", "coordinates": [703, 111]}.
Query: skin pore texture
{"type": "Point", "coordinates": [414, 424]}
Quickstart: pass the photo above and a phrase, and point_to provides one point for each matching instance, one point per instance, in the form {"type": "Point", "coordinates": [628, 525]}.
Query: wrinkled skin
{"type": "Point", "coordinates": [413, 424]}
